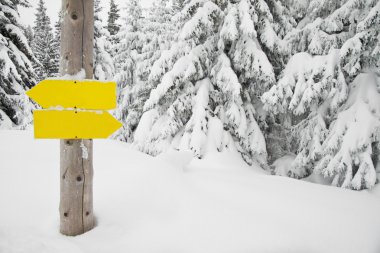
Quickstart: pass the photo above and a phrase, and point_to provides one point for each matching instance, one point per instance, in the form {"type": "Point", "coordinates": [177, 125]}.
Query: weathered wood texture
{"type": "Point", "coordinates": [76, 202]}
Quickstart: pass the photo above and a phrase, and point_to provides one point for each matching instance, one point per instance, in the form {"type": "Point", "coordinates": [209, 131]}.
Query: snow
{"type": "Point", "coordinates": [304, 81]}
{"type": "Point", "coordinates": [182, 70]}
{"type": "Point", "coordinates": [5, 121]}
{"type": "Point", "coordinates": [283, 165]}
{"type": "Point", "coordinates": [81, 75]}
{"type": "Point", "coordinates": [84, 150]}
{"type": "Point", "coordinates": [197, 126]}
{"type": "Point", "coordinates": [16, 31]}
{"type": "Point", "coordinates": [229, 31]}
{"type": "Point", "coordinates": [8, 65]}
{"type": "Point", "coordinates": [201, 22]}
{"type": "Point", "coordinates": [247, 26]}
{"type": "Point", "coordinates": [175, 203]}
{"type": "Point", "coordinates": [145, 126]}
{"type": "Point", "coordinates": [372, 19]}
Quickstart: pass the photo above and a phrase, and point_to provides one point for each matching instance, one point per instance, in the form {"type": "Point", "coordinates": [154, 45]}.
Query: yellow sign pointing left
{"type": "Point", "coordinates": [91, 94]}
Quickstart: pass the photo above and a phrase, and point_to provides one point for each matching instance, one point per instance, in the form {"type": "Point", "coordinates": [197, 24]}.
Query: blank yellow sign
{"type": "Point", "coordinates": [91, 94]}
{"type": "Point", "coordinates": [70, 124]}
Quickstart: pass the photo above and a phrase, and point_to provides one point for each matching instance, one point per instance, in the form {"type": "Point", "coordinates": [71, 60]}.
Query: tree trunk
{"type": "Point", "coordinates": [76, 205]}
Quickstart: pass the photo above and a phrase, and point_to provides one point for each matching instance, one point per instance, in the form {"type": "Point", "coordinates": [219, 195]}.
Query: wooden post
{"type": "Point", "coordinates": [76, 205]}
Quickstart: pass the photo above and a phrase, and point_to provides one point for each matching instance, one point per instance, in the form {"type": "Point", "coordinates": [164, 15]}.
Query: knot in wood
{"type": "Point", "coordinates": [74, 16]}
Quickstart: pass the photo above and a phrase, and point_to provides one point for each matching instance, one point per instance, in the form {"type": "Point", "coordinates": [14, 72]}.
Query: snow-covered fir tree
{"type": "Point", "coordinates": [159, 31]}
{"type": "Point", "coordinates": [43, 45]}
{"type": "Point", "coordinates": [312, 92]}
{"type": "Point", "coordinates": [103, 63]}
{"type": "Point", "coordinates": [29, 34]}
{"type": "Point", "coordinates": [58, 28]}
{"type": "Point", "coordinates": [56, 43]}
{"type": "Point", "coordinates": [346, 24]}
{"type": "Point", "coordinates": [112, 22]}
{"type": "Point", "coordinates": [210, 81]}
{"type": "Point", "coordinates": [16, 70]}
{"type": "Point", "coordinates": [131, 42]}
{"type": "Point", "coordinates": [177, 5]}
{"type": "Point", "coordinates": [352, 148]}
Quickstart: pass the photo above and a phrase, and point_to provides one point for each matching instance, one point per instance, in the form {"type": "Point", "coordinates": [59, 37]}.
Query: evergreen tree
{"type": "Point", "coordinates": [159, 31]}
{"type": "Point", "coordinates": [113, 16]}
{"type": "Point", "coordinates": [58, 28]}
{"type": "Point", "coordinates": [351, 150]}
{"type": "Point", "coordinates": [311, 89]}
{"type": "Point", "coordinates": [103, 65]}
{"type": "Point", "coordinates": [131, 42]}
{"type": "Point", "coordinates": [209, 83]}
{"type": "Point", "coordinates": [43, 45]}
{"type": "Point", "coordinates": [29, 34]}
{"type": "Point", "coordinates": [316, 94]}
{"type": "Point", "coordinates": [16, 71]}
{"type": "Point", "coordinates": [177, 5]}
{"type": "Point", "coordinates": [56, 43]}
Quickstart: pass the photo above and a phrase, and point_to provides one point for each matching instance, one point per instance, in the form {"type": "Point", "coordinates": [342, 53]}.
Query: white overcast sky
{"type": "Point", "coordinates": [27, 14]}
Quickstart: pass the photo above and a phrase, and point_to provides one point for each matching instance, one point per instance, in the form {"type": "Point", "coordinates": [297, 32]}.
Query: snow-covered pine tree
{"type": "Point", "coordinates": [352, 149]}
{"type": "Point", "coordinates": [16, 71]}
{"type": "Point", "coordinates": [330, 24]}
{"type": "Point", "coordinates": [309, 93]}
{"type": "Point", "coordinates": [177, 5]}
{"type": "Point", "coordinates": [43, 45]}
{"type": "Point", "coordinates": [112, 25]}
{"type": "Point", "coordinates": [131, 42]}
{"type": "Point", "coordinates": [56, 43]}
{"type": "Point", "coordinates": [29, 34]}
{"type": "Point", "coordinates": [159, 31]}
{"type": "Point", "coordinates": [103, 63]}
{"type": "Point", "coordinates": [58, 28]}
{"type": "Point", "coordinates": [209, 82]}
{"type": "Point", "coordinates": [361, 52]}
{"type": "Point", "coordinates": [312, 92]}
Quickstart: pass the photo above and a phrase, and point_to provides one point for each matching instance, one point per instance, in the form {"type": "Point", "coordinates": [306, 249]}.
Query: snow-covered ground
{"type": "Point", "coordinates": [178, 204]}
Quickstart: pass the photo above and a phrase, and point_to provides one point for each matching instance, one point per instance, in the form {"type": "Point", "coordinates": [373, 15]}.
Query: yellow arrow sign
{"type": "Point", "coordinates": [91, 94]}
{"type": "Point", "coordinates": [70, 124]}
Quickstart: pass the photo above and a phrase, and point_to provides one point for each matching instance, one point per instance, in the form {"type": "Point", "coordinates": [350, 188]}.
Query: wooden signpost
{"type": "Point", "coordinates": [75, 115]}
{"type": "Point", "coordinates": [74, 112]}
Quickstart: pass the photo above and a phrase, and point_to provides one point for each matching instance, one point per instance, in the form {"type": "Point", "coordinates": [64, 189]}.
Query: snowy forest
{"type": "Point", "coordinates": [291, 86]}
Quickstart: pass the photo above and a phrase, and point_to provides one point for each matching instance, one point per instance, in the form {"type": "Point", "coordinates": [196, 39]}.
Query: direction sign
{"type": "Point", "coordinates": [74, 123]}
{"type": "Point", "coordinates": [91, 94]}
{"type": "Point", "coordinates": [71, 124]}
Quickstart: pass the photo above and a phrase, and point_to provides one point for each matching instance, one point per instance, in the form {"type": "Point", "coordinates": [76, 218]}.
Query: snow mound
{"type": "Point", "coordinates": [283, 165]}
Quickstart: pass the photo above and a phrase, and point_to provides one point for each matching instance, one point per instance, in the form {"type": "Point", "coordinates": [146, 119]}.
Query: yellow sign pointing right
{"type": "Point", "coordinates": [70, 124]}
